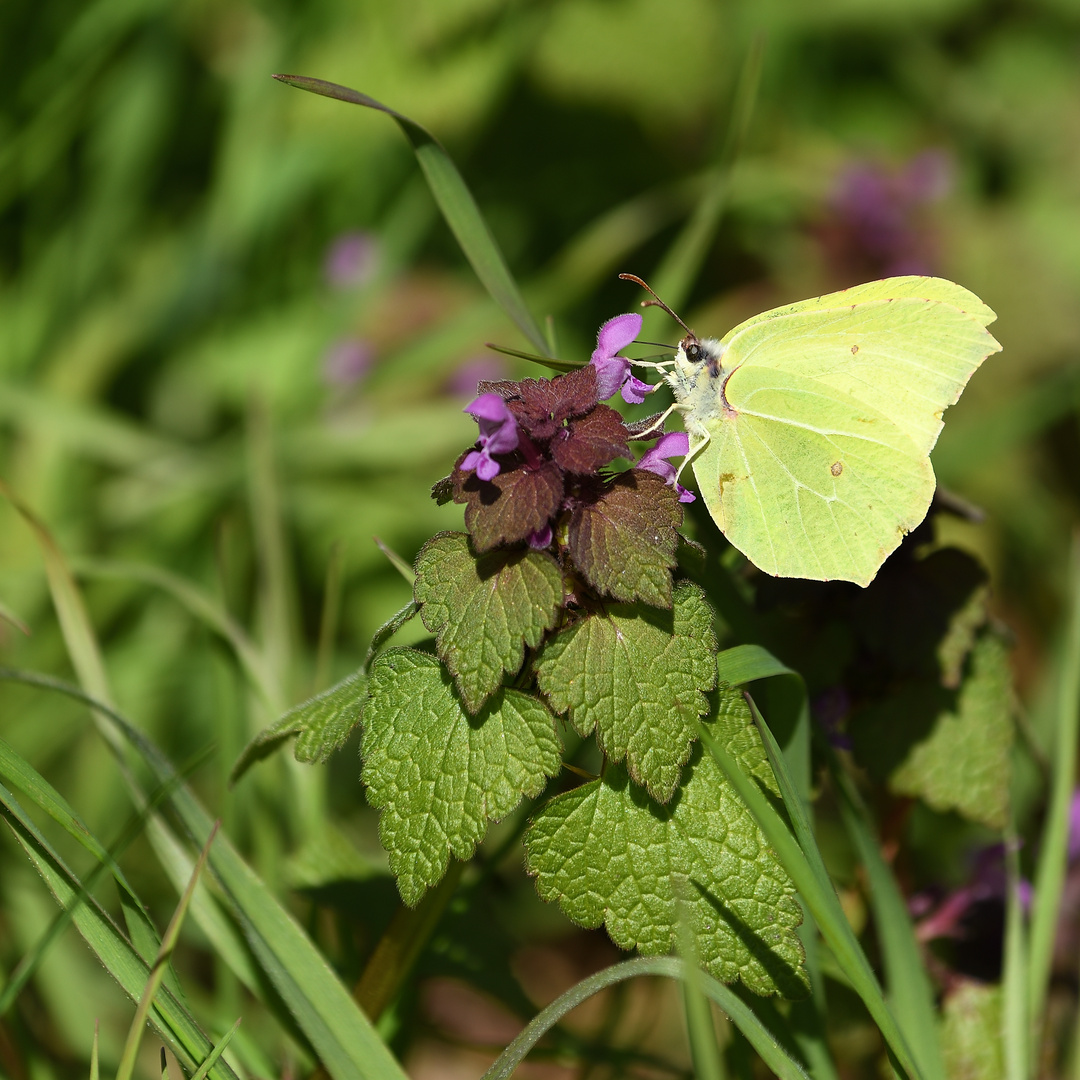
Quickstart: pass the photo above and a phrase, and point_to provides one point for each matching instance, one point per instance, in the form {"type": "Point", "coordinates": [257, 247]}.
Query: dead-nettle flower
{"type": "Point", "coordinates": [613, 371]}
{"type": "Point", "coordinates": [498, 435]}
{"type": "Point", "coordinates": [351, 260]}
{"type": "Point", "coordinates": [347, 361]}
{"type": "Point", "coordinates": [673, 444]}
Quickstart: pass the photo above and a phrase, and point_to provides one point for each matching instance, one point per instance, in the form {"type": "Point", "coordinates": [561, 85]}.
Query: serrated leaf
{"type": "Point", "coordinates": [591, 442]}
{"type": "Point", "coordinates": [439, 775]}
{"type": "Point", "coordinates": [624, 541]}
{"type": "Point", "coordinates": [322, 725]}
{"type": "Point", "coordinates": [610, 854]}
{"type": "Point", "coordinates": [484, 610]}
{"type": "Point", "coordinates": [971, 1033]}
{"type": "Point", "coordinates": [511, 507]}
{"type": "Point", "coordinates": [963, 764]}
{"type": "Point", "coordinates": [637, 675]}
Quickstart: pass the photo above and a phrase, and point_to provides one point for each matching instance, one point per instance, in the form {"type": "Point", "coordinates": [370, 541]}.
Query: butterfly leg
{"type": "Point", "coordinates": [694, 450]}
{"type": "Point", "coordinates": [658, 423]}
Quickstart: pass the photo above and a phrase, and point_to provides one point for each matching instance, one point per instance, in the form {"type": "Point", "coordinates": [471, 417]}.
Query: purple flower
{"type": "Point", "coordinates": [350, 260]}
{"type": "Point", "coordinates": [613, 371]}
{"type": "Point", "coordinates": [541, 538]}
{"type": "Point", "coordinates": [463, 380]}
{"type": "Point", "coordinates": [347, 361]}
{"type": "Point", "coordinates": [673, 444]}
{"type": "Point", "coordinates": [498, 435]}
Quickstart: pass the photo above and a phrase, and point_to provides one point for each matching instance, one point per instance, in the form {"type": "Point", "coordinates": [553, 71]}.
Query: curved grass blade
{"type": "Point", "coordinates": [18, 773]}
{"type": "Point", "coordinates": [1054, 849]}
{"type": "Point", "coordinates": [454, 200]}
{"type": "Point", "coordinates": [119, 957]}
{"type": "Point", "coordinates": [910, 991]}
{"type": "Point", "coordinates": [561, 366]}
{"type": "Point", "coordinates": [159, 966]}
{"type": "Point", "coordinates": [9, 616]}
{"type": "Point", "coordinates": [790, 714]}
{"type": "Point", "coordinates": [1016, 1020]}
{"type": "Point", "coordinates": [807, 871]}
{"type": "Point", "coordinates": [342, 1036]}
{"type": "Point", "coordinates": [741, 1015]}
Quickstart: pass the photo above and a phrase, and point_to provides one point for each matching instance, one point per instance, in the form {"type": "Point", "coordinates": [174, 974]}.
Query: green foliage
{"type": "Point", "coordinates": [963, 764]}
{"type": "Point", "coordinates": [609, 854]}
{"type": "Point", "coordinates": [169, 400]}
{"type": "Point", "coordinates": [638, 676]}
{"type": "Point", "coordinates": [485, 611]}
{"type": "Point", "coordinates": [438, 774]}
{"type": "Point", "coordinates": [322, 725]}
{"type": "Point", "coordinates": [971, 1033]}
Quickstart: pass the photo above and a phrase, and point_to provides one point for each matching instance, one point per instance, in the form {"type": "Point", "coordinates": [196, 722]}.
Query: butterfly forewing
{"type": "Point", "coordinates": [907, 358]}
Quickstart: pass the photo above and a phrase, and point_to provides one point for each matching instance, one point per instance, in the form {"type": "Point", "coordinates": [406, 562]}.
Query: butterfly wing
{"type": "Point", "coordinates": [821, 465]}
{"type": "Point", "coordinates": [907, 357]}
{"type": "Point", "coordinates": [809, 482]}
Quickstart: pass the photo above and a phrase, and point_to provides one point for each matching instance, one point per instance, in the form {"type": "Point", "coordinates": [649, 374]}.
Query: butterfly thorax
{"type": "Point", "coordinates": [699, 378]}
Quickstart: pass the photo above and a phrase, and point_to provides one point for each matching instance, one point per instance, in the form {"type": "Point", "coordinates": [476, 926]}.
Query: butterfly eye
{"type": "Point", "coordinates": [694, 352]}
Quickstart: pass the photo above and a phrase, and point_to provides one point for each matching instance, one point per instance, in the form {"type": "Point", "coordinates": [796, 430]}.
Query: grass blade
{"type": "Point", "coordinates": [342, 1036]}
{"type": "Point", "coordinates": [705, 1053]}
{"type": "Point", "coordinates": [790, 713]}
{"type": "Point", "coordinates": [807, 870]}
{"type": "Point", "coordinates": [119, 957]}
{"type": "Point", "coordinates": [1054, 849]}
{"type": "Point", "coordinates": [1016, 1018]}
{"type": "Point", "coordinates": [759, 1037]}
{"type": "Point", "coordinates": [9, 616]}
{"type": "Point", "coordinates": [454, 200]}
{"type": "Point", "coordinates": [910, 992]}
{"type": "Point", "coordinates": [219, 1049]}
{"type": "Point", "coordinates": [157, 969]}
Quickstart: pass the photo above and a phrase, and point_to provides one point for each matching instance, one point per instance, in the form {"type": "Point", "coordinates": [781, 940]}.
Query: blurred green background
{"type": "Point", "coordinates": [236, 338]}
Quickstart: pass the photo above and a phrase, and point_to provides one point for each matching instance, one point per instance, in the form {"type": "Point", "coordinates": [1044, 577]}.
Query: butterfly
{"type": "Point", "coordinates": [811, 425]}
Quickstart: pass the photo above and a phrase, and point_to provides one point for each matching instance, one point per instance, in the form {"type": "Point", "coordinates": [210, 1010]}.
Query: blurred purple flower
{"type": "Point", "coordinates": [347, 361]}
{"type": "Point", "coordinates": [987, 883]}
{"type": "Point", "coordinates": [673, 444]}
{"type": "Point", "coordinates": [613, 371]}
{"type": "Point", "coordinates": [351, 260]}
{"type": "Point", "coordinates": [876, 226]}
{"type": "Point", "coordinates": [498, 435]}
{"type": "Point", "coordinates": [463, 380]}
{"type": "Point", "coordinates": [1074, 826]}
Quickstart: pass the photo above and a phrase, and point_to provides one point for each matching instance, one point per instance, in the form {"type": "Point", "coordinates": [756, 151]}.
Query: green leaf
{"type": "Point", "coordinates": [624, 542]}
{"type": "Point", "coordinates": [440, 775]}
{"type": "Point", "coordinates": [971, 1033]}
{"type": "Point", "coordinates": [455, 201]}
{"type": "Point", "coordinates": [609, 854]}
{"type": "Point", "coordinates": [964, 763]}
{"type": "Point", "coordinates": [322, 725]}
{"type": "Point", "coordinates": [485, 610]}
{"type": "Point", "coordinates": [638, 675]}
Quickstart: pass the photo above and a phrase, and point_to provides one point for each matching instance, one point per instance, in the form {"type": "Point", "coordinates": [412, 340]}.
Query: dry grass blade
{"type": "Point", "coordinates": [157, 971]}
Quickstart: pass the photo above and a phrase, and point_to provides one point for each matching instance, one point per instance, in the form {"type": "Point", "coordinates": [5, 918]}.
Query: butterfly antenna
{"type": "Point", "coordinates": [655, 301]}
